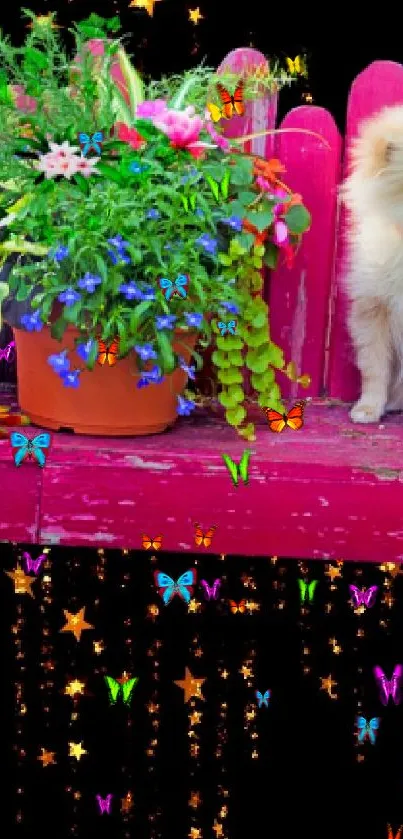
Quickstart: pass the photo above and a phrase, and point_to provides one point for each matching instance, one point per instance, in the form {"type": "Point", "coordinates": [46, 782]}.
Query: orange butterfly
{"type": "Point", "coordinates": [152, 544]}
{"type": "Point", "coordinates": [237, 607]}
{"type": "Point", "coordinates": [230, 104]}
{"type": "Point", "coordinates": [204, 539]}
{"type": "Point", "coordinates": [294, 419]}
{"type": "Point", "coordinates": [109, 354]}
{"type": "Point", "coordinates": [391, 834]}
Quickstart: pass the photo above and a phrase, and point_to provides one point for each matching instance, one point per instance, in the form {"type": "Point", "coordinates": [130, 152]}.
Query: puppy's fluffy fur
{"type": "Point", "coordinates": [374, 194]}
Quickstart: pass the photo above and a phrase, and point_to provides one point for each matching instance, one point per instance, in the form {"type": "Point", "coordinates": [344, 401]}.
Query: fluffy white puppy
{"type": "Point", "coordinates": [374, 194]}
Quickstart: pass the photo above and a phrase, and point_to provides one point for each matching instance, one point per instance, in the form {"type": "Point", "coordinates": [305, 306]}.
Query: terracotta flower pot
{"type": "Point", "coordinates": [106, 402]}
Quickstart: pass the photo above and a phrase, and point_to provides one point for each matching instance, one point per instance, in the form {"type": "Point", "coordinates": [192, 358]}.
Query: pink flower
{"type": "Point", "coordinates": [63, 160]}
{"type": "Point", "coordinates": [183, 129]}
{"type": "Point", "coordinates": [280, 233]}
{"type": "Point", "coordinates": [129, 135]}
{"type": "Point", "coordinates": [219, 140]}
{"type": "Point", "coordinates": [23, 102]}
{"type": "Point", "coordinates": [86, 165]}
{"type": "Point", "coordinates": [151, 108]}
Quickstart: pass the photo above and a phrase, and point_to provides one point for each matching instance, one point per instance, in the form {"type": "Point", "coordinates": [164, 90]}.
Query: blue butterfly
{"type": "Point", "coordinates": [263, 699]}
{"type": "Point", "coordinates": [182, 587]}
{"type": "Point", "coordinates": [227, 327]}
{"type": "Point", "coordinates": [88, 142]}
{"type": "Point", "coordinates": [367, 729]}
{"type": "Point", "coordinates": [178, 287]}
{"type": "Point", "coordinates": [29, 449]}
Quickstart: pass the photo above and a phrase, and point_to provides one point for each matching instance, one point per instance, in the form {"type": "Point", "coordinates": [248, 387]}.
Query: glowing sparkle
{"type": "Point", "coordinates": [327, 684]}
{"type": "Point", "coordinates": [74, 687]}
{"type": "Point", "coordinates": [333, 571]}
{"type": "Point", "coordinates": [47, 758]}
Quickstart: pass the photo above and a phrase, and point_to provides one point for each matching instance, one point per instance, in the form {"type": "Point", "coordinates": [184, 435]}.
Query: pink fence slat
{"type": "Point", "coordinates": [378, 86]}
{"type": "Point", "coordinates": [260, 114]}
{"type": "Point", "coordinates": [299, 297]}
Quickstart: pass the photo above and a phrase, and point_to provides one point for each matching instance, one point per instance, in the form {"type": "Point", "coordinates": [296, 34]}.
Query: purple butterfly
{"type": "Point", "coordinates": [148, 377]}
{"type": "Point", "coordinates": [364, 597]}
{"type": "Point", "coordinates": [211, 592]}
{"type": "Point", "coordinates": [7, 352]}
{"type": "Point", "coordinates": [389, 687]}
{"type": "Point", "coordinates": [104, 804]}
{"type": "Point", "coordinates": [33, 564]}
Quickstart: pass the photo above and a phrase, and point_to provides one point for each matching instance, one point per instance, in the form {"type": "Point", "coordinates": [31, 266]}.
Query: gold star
{"type": "Point", "coordinates": [148, 5]}
{"type": "Point", "coordinates": [76, 623]}
{"type": "Point", "coordinates": [190, 686]}
{"type": "Point", "coordinates": [74, 687]}
{"type": "Point", "coordinates": [98, 647]}
{"type": "Point", "coordinates": [194, 833]}
{"type": "Point", "coordinates": [217, 827]}
{"type": "Point", "coordinates": [47, 758]}
{"type": "Point", "coordinates": [76, 750]}
{"type": "Point", "coordinates": [195, 718]}
{"type": "Point", "coordinates": [194, 800]}
{"type": "Point", "coordinates": [245, 671]}
{"type": "Point", "coordinates": [327, 685]}
{"type": "Point", "coordinates": [333, 571]}
{"type": "Point", "coordinates": [194, 605]}
{"type": "Point", "coordinates": [392, 568]}
{"type": "Point", "coordinates": [22, 582]}
{"type": "Point", "coordinates": [195, 15]}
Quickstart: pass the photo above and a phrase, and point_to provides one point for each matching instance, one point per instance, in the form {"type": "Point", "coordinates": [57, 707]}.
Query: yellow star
{"type": "Point", "coordinates": [76, 623]}
{"type": "Point", "coordinates": [190, 686]}
{"type": "Point", "coordinates": [327, 685]}
{"type": "Point", "coordinates": [47, 758]}
{"type": "Point", "coordinates": [195, 15]}
{"type": "Point", "coordinates": [245, 671]}
{"type": "Point", "coordinates": [76, 750]}
{"type": "Point", "coordinates": [98, 647]}
{"type": "Point", "coordinates": [194, 833]}
{"type": "Point", "coordinates": [194, 605]}
{"type": "Point", "coordinates": [217, 827]}
{"type": "Point", "coordinates": [74, 687]}
{"type": "Point", "coordinates": [195, 718]}
{"type": "Point", "coordinates": [333, 571]}
{"type": "Point", "coordinates": [148, 5]}
{"type": "Point", "coordinates": [22, 582]}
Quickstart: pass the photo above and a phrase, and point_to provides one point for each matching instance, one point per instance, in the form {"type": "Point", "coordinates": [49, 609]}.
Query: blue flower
{"type": "Point", "coordinates": [84, 350]}
{"type": "Point", "coordinates": [89, 282]}
{"type": "Point", "coordinates": [233, 221]}
{"type": "Point", "coordinates": [118, 243]}
{"type": "Point", "coordinates": [148, 377]}
{"type": "Point", "coordinates": [71, 378]}
{"type": "Point", "coordinates": [59, 253]}
{"type": "Point", "coordinates": [148, 293]}
{"type": "Point", "coordinates": [131, 291]}
{"type": "Point", "coordinates": [59, 362]}
{"type": "Point", "coordinates": [230, 307]}
{"type": "Point", "coordinates": [194, 319]}
{"type": "Point", "coordinates": [165, 321]}
{"type": "Point", "coordinates": [69, 297]}
{"type": "Point", "coordinates": [190, 370]}
{"type": "Point", "coordinates": [32, 322]}
{"type": "Point", "coordinates": [153, 214]}
{"type": "Point", "coordinates": [185, 406]}
{"type": "Point", "coordinates": [208, 243]}
{"type": "Point", "coordinates": [145, 351]}
{"type": "Point", "coordinates": [199, 212]}
{"type": "Point", "coordinates": [137, 168]}
{"type": "Point", "coordinates": [121, 256]}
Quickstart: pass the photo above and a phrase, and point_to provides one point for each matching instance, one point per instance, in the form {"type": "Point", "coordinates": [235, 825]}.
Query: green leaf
{"type": "Point", "coordinates": [257, 337]}
{"type": "Point", "coordinates": [70, 312]}
{"type": "Point", "coordinates": [110, 173]}
{"type": "Point", "coordinates": [193, 200]}
{"type": "Point", "coordinates": [241, 173]}
{"type": "Point", "coordinates": [225, 184]}
{"type": "Point", "coordinates": [229, 342]}
{"type": "Point", "coordinates": [58, 328]}
{"type": "Point", "coordinates": [298, 219]}
{"type": "Point", "coordinates": [263, 381]}
{"type": "Point", "coordinates": [165, 346]}
{"type": "Point", "coordinates": [138, 314]}
{"type": "Point", "coordinates": [224, 259]}
{"type": "Point", "coordinates": [260, 320]}
{"type": "Point", "coordinates": [235, 416]}
{"type": "Point", "coordinates": [22, 291]}
{"type": "Point", "coordinates": [260, 219]}
{"type": "Point", "coordinates": [147, 129]}
{"type": "Point", "coordinates": [34, 60]}
{"type": "Point", "coordinates": [220, 359]}
{"type": "Point", "coordinates": [236, 359]}
{"type": "Point", "coordinates": [236, 394]}
{"type": "Point", "coordinates": [226, 400]}
{"type": "Point", "coordinates": [82, 183]}
{"type": "Point", "coordinates": [271, 256]}
{"type": "Point", "coordinates": [230, 377]}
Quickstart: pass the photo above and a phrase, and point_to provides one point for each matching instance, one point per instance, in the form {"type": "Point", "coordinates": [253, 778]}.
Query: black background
{"type": "Point", "coordinates": [307, 780]}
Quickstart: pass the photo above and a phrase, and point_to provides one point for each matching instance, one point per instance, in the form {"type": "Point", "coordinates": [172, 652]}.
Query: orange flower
{"type": "Point", "coordinates": [268, 169]}
{"type": "Point", "coordinates": [260, 237]}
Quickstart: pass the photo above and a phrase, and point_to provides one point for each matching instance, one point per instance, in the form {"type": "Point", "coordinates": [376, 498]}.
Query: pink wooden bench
{"type": "Point", "coordinates": [332, 490]}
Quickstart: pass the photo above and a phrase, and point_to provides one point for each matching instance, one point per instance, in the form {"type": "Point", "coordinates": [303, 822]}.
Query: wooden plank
{"type": "Point", "coordinates": [327, 492]}
{"type": "Point", "coordinates": [378, 86]}
{"type": "Point", "coordinates": [299, 297]}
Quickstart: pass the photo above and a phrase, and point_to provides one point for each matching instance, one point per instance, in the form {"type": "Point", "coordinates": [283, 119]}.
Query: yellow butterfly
{"type": "Point", "coordinates": [297, 66]}
{"type": "Point", "coordinates": [231, 105]}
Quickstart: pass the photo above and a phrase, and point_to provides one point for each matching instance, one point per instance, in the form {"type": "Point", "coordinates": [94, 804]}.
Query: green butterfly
{"type": "Point", "coordinates": [307, 590]}
{"type": "Point", "coordinates": [236, 470]}
{"type": "Point", "coordinates": [125, 689]}
{"type": "Point", "coordinates": [218, 188]}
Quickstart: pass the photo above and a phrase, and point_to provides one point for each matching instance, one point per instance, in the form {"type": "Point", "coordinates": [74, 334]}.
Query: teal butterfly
{"type": "Point", "coordinates": [240, 470]}
{"type": "Point", "coordinates": [229, 327]}
{"type": "Point", "coordinates": [263, 698]}
{"type": "Point", "coordinates": [125, 689]}
{"type": "Point", "coordinates": [367, 729]}
{"type": "Point", "coordinates": [307, 590]}
{"type": "Point", "coordinates": [91, 142]}
{"type": "Point", "coordinates": [29, 449]}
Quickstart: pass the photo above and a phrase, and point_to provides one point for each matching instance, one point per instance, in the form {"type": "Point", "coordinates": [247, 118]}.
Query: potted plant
{"type": "Point", "coordinates": [136, 230]}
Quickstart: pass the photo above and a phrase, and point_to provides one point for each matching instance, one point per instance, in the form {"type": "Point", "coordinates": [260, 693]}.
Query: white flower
{"type": "Point", "coordinates": [86, 165]}
{"type": "Point", "coordinates": [63, 150]}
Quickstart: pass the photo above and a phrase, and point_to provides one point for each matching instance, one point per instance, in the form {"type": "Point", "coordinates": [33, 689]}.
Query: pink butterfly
{"type": "Point", "coordinates": [33, 564]}
{"type": "Point", "coordinates": [104, 804]}
{"type": "Point", "coordinates": [389, 687]}
{"type": "Point", "coordinates": [211, 592]}
{"type": "Point", "coordinates": [364, 597]}
{"type": "Point", "coordinates": [7, 352]}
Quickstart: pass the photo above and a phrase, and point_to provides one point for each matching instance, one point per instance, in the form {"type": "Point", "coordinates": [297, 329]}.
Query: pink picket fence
{"type": "Point", "coordinates": [308, 303]}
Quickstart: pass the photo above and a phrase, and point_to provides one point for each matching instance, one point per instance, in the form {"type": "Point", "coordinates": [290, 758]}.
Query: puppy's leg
{"type": "Point", "coordinates": [370, 331]}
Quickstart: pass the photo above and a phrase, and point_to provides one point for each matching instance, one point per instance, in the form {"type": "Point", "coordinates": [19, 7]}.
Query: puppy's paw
{"type": "Point", "coordinates": [366, 412]}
